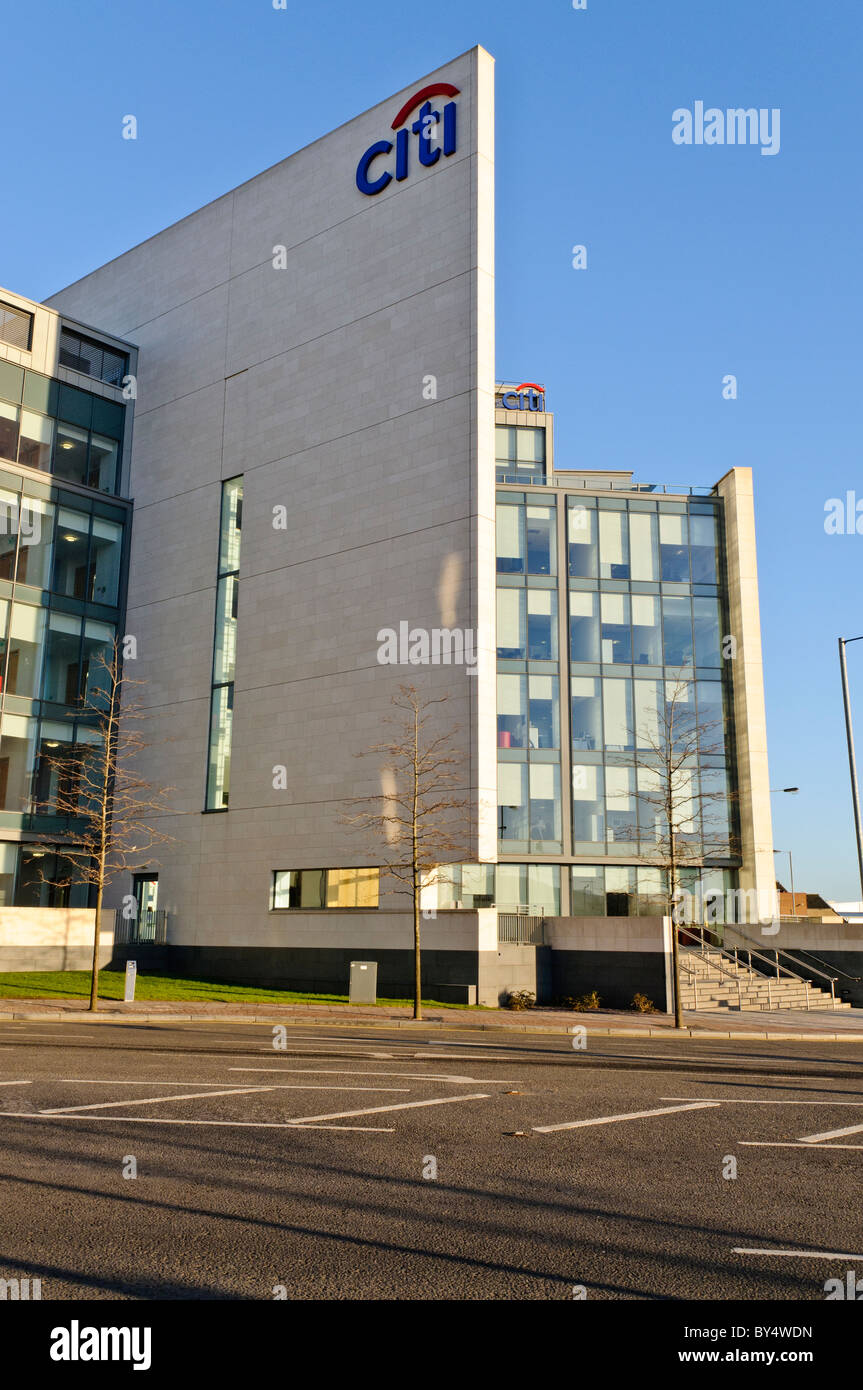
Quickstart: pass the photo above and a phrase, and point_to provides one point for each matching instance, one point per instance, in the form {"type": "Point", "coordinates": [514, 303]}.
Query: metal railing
{"type": "Point", "coordinates": [151, 928]}
{"type": "Point", "coordinates": [517, 929]}
{"type": "Point", "coordinates": [778, 951]}
{"type": "Point", "coordinates": [776, 968]}
{"type": "Point", "coordinates": [559, 478]}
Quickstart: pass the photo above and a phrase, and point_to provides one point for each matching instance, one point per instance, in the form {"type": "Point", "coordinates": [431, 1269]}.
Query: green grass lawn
{"type": "Point", "coordinates": [75, 984]}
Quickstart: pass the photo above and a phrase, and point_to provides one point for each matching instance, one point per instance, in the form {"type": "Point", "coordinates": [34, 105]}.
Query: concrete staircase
{"type": "Point", "coordinates": [710, 980]}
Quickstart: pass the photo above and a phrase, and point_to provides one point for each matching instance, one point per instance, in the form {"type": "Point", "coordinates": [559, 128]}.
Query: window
{"type": "Point", "coordinates": [583, 626]}
{"type": "Point", "coordinates": [582, 540]}
{"type": "Point", "coordinates": [314, 889]}
{"type": "Point", "coordinates": [512, 802]}
{"type": "Point", "coordinates": [527, 624]}
{"type": "Point", "coordinates": [620, 804]}
{"type": "Point", "coordinates": [705, 612]}
{"type": "Point", "coordinates": [506, 886]}
{"type": "Point", "coordinates": [92, 358]}
{"type": "Point", "coordinates": [586, 713]}
{"type": "Point", "coordinates": [703, 543]}
{"type": "Point", "coordinates": [674, 547]}
{"type": "Point", "coordinates": [519, 454]}
{"type": "Point", "coordinates": [588, 890]}
{"type": "Point", "coordinates": [224, 647]}
{"type": "Point", "coordinates": [541, 547]}
{"type": "Point", "coordinates": [617, 712]}
{"type": "Point", "coordinates": [36, 551]}
{"type": "Point", "coordinates": [72, 576]}
{"type": "Point", "coordinates": [613, 546]}
{"type": "Point", "coordinates": [588, 806]}
{"type": "Point", "coordinates": [511, 624]}
{"type": "Point", "coordinates": [649, 714]}
{"type": "Point", "coordinates": [624, 891]}
{"type": "Point", "coordinates": [16, 327]}
{"type": "Point", "coordinates": [70, 456]}
{"type": "Point", "coordinates": [510, 538]}
{"type": "Point", "coordinates": [646, 631]}
{"type": "Point", "coordinates": [616, 639]}
{"type": "Point", "coordinates": [26, 637]}
{"type": "Point", "coordinates": [37, 439]}
{"type": "Point", "coordinates": [545, 831]}
{"type": "Point", "coordinates": [527, 712]}
{"type": "Point", "coordinates": [352, 887]}
{"type": "Point", "coordinates": [644, 563]}
{"type": "Point", "coordinates": [619, 891]}
{"type": "Point", "coordinates": [9, 431]}
{"type": "Point", "coordinates": [18, 758]}
{"type": "Point", "coordinates": [677, 619]}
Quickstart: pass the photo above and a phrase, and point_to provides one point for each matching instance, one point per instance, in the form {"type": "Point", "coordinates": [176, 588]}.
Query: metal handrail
{"type": "Point", "coordinates": [711, 965]}
{"type": "Point", "coordinates": [774, 964]}
{"type": "Point", "coordinates": [799, 951]}
{"type": "Point", "coordinates": [780, 951]}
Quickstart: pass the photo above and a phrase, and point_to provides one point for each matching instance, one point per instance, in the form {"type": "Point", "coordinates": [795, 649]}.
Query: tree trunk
{"type": "Point", "coordinates": [418, 998]}
{"type": "Point", "coordinates": [675, 971]}
{"type": "Point", "coordinates": [94, 978]}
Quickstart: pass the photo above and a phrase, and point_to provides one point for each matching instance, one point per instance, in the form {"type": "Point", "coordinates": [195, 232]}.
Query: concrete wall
{"type": "Point", "coordinates": [758, 871]}
{"type": "Point", "coordinates": [47, 938]}
{"type": "Point", "coordinates": [837, 946]}
{"type": "Point", "coordinates": [309, 381]}
{"type": "Point", "coordinates": [617, 956]}
{"type": "Point", "coordinates": [322, 945]}
{"type": "Point", "coordinates": [509, 969]}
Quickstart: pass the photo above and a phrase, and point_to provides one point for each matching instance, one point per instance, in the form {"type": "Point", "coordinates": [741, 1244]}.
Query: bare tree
{"type": "Point", "coordinates": [420, 824]}
{"type": "Point", "coordinates": [96, 785]}
{"type": "Point", "coordinates": [688, 824]}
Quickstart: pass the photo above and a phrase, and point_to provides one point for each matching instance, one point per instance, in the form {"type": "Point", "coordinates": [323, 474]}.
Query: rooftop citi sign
{"type": "Point", "coordinates": [529, 395]}
{"type": "Point", "coordinates": [431, 140]}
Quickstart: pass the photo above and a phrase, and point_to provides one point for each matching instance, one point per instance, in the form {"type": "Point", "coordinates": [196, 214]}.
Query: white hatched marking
{"type": "Point", "coordinates": [633, 1115]}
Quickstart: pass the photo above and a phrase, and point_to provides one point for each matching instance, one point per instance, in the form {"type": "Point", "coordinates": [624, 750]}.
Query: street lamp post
{"type": "Point", "coordinates": [852, 763]}
{"type": "Point", "coordinates": [774, 791]}
{"type": "Point", "coordinates": [791, 874]}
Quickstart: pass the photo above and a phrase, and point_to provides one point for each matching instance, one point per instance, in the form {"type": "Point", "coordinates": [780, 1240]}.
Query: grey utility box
{"type": "Point", "coordinates": [364, 982]}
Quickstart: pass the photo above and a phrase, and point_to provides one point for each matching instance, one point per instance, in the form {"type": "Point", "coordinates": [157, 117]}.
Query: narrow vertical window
{"type": "Point", "coordinates": [225, 647]}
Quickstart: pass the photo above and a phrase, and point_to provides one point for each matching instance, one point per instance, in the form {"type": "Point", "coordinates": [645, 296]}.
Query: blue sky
{"type": "Point", "coordinates": [702, 261]}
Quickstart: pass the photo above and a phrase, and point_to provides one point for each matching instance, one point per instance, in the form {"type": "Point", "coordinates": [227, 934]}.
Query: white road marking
{"type": "Point", "coordinates": [633, 1115]}
{"type": "Point", "coordinates": [800, 1254]}
{"type": "Point", "coordinates": [161, 1120]}
{"type": "Point", "coordinates": [830, 1134]}
{"type": "Point", "coordinates": [156, 1100]}
{"type": "Point", "coordinates": [16, 1083]}
{"type": "Point", "coordinates": [461, 1057]}
{"type": "Point", "coordinates": [405, 1075]}
{"type": "Point", "coordinates": [330, 1051]}
{"type": "Point", "coordinates": [742, 1100]}
{"type": "Point", "coordinates": [93, 1081]}
{"type": "Point", "coordinates": [792, 1144]}
{"type": "Point", "coordinates": [379, 1109]}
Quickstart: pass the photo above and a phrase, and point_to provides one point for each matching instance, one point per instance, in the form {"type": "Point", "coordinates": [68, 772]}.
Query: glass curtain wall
{"type": "Point", "coordinates": [225, 647]}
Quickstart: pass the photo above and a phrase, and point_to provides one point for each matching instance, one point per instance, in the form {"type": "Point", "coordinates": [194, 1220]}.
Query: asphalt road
{"type": "Point", "coordinates": [382, 1164]}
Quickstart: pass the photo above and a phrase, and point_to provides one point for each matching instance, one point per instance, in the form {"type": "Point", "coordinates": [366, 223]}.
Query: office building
{"type": "Point", "coordinates": [322, 453]}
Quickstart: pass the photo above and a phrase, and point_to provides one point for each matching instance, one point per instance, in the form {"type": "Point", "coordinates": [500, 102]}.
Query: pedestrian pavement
{"type": "Point", "coordinates": [788, 1025]}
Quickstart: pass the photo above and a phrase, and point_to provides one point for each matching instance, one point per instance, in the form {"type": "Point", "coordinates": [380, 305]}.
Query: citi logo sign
{"type": "Point", "coordinates": [528, 396]}
{"type": "Point", "coordinates": [435, 131]}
